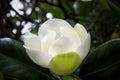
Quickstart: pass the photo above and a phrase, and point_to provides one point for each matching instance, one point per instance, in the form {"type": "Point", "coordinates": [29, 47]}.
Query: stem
{"type": "Point", "coordinates": [57, 77]}
{"type": "Point", "coordinates": [78, 78]}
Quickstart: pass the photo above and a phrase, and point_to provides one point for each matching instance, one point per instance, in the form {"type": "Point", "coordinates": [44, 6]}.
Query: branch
{"type": "Point", "coordinates": [59, 5]}
{"type": "Point", "coordinates": [62, 8]}
{"type": "Point", "coordinates": [26, 18]}
{"type": "Point", "coordinates": [33, 8]}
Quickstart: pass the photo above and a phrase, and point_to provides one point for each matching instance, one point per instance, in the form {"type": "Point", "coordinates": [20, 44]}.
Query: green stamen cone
{"type": "Point", "coordinates": [65, 63]}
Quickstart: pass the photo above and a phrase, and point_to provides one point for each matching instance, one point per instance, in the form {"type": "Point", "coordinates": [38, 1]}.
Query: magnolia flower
{"type": "Point", "coordinates": [58, 46]}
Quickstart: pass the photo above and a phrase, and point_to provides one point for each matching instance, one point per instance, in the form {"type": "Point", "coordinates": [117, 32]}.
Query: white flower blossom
{"type": "Point", "coordinates": [58, 46]}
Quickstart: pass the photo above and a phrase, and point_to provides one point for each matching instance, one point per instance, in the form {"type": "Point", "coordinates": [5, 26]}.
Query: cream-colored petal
{"type": "Point", "coordinates": [54, 24]}
{"type": "Point", "coordinates": [62, 45]}
{"type": "Point", "coordinates": [38, 57]}
{"type": "Point", "coordinates": [47, 41]}
{"type": "Point", "coordinates": [34, 43]}
{"type": "Point", "coordinates": [81, 31]}
{"type": "Point", "coordinates": [83, 49]}
{"type": "Point", "coordinates": [26, 37]}
{"type": "Point", "coordinates": [42, 32]}
{"type": "Point", "coordinates": [70, 33]}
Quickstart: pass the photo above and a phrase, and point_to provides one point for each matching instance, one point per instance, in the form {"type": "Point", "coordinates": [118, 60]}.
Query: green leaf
{"type": "Point", "coordinates": [15, 61]}
{"type": "Point", "coordinates": [103, 3]}
{"type": "Point", "coordinates": [15, 49]}
{"type": "Point", "coordinates": [56, 12]}
{"type": "Point", "coordinates": [103, 63]}
{"type": "Point", "coordinates": [82, 8]}
{"type": "Point", "coordinates": [111, 5]}
{"type": "Point", "coordinates": [116, 2]}
{"type": "Point", "coordinates": [68, 5]}
{"type": "Point", "coordinates": [15, 69]}
{"type": "Point", "coordinates": [114, 7]}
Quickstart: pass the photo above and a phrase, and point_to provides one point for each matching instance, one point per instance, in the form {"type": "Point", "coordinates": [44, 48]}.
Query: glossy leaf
{"type": "Point", "coordinates": [15, 49]}
{"type": "Point", "coordinates": [103, 63]}
{"type": "Point", "coordinates": [83, 8]}
{"type": "Point", "coordinates": [12, 68]}
{"type": "Point", "coordinates": [114, 7]}
{"type": "Point", "coordinates": [15, 61]}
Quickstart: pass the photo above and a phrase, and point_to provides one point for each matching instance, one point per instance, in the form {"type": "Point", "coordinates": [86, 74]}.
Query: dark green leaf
{"type": "Point", "coordinates": [68, 5]}
{"type": "Point", "coordinates": [103, 3]}
{"type": "Point", "coordinates": [116, 2]}
{"type": "Point", "coordinates": [15, 49]}
{"type": "Point", "coordinates": [13, 54]}
{"type": "Point", "coordinates": [103, 63]}
{"type": "Point", "coordinates": [114, 7]}
{"type": "Point", "coordinates": [56, 12]}
{"type": "Point", "coordinates": [82, 8]}
{"type": "Point", "coordinates": [12, 68]}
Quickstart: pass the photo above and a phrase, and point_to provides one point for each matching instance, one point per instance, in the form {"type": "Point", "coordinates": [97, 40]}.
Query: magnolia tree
{"type": "Point", "coordinates": [46, 40]}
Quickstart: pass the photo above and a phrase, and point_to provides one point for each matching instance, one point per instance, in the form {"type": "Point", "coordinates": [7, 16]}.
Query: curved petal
{"type": "Point", "coordinates": [62, 45]}
{"type": "Point", "coordinates": [34, 43]}
{"type": "Point", "coordinates": [83, 49]}
{"type": "Point", "coordinates": [42, 32]}
{"type": "Point", "coordinates": [31, 40]}
{"type": "Point", "coordinates": [27, 36]}
{"type": "Point", "coordinates": [70, 33]}
{"type": "Point", "coordinates": [81, 31]}
{"type": "Point", "coordinates": [47, 41]}
{"type": "Point", "coordinates": [38, 57]}
{"type": "Point", "coordinates": [54, 24]}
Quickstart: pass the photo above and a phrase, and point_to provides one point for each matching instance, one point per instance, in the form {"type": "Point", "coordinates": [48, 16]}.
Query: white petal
{"type": "Point", "coordinates": [27, 36]}
{"type": "Point", "coordinates": [42, 32]}
{"type": "Point", "coordinates": [47, 40]}
{"type": "Point", "coordinates": [83, 49]}
{"type": "Point", "coordinates": [39, 57]}
{"type": "Point", "coordinates": [34, 43]}
{"type": "Point", "coordinates": [70, 33]}
{"type": "Point", "coordinates": [81, 31]}
{"type": "Point", "coordinates": [54, 24]}
{"type": "Point", "coordinates": [62, 45]}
